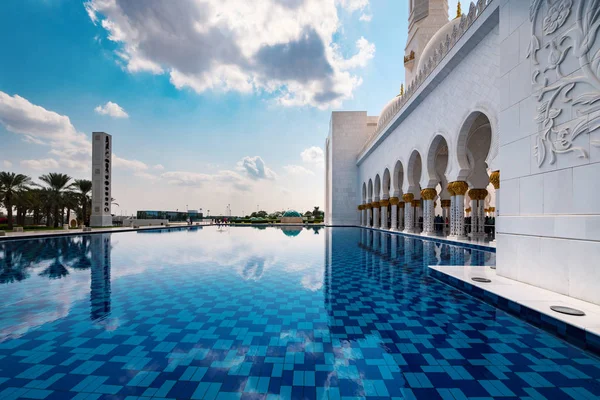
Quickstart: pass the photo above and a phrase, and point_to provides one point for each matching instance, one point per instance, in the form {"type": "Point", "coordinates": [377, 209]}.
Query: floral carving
{"type": "Point", "coordinates": [556, 16]}
{"type": "Point", "coordinates": [552, 98]}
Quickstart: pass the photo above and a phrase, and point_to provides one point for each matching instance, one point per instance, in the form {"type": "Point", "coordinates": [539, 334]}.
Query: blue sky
{"type": "Point", "coordinates": [209, 103]}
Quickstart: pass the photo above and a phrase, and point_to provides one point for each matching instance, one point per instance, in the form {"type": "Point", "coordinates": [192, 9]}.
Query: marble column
{"type": "Point", "coordinates": [364, 215]}
{"type": "Point", "coordinates": [409, 214]}
{"type": "Point", "coordinates": [428, 196]}
{"type": "Point", "coordinates": [452, 210]}
{"type": "Point", "coordinates": [446, 216]}
{"type": "Point", "coordinates": [477, 213]}
{"type": "Point", "coordinates": [495, 180]}
{"type": "Point", "coordinates": [401, 216]}
{"type": "Point", "coordinates": [416, 206]}
{"type": "Point", "coordinates": [394, 207]}
{"type": "Point", "coordinates": [384, 203]}
{"type": "Point", "coordinates": [376, 218]}
{"type": "Point", "coordinates": [369, 214]}
{"type": "Point", "coordinates": [460, 189]}
{"type": "Point", "coordinates": [360, 215]}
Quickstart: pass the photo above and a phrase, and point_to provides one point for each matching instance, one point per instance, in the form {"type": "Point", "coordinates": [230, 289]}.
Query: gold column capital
{"type": "Point", "coordinates": [401, 204]}
{"type": "Point", "coordinates": [428, 194]}
{"type": "Point", "coordinates": [368, 206]}
{"type": "Point", "coordinates": [394, 201]}
{"type": "Point", "coordinates": [450, 188]}
{"type": "Point", "coordinates": [478, 194]}
{"type": "Point", "coordinates": [446, 203]}
{"type": "Point", "coordinates": [375, 204]}
{"type": "Point", "coordinates": [384, 202]}
{"type": "Point", "coordinates": [495, 179]}
{"type": "Point", "coordinates": [408, 197]}
{"type": "Point", "coordinates": [460, 188]}
{"type": "Point", "coordinates": [416, 203]}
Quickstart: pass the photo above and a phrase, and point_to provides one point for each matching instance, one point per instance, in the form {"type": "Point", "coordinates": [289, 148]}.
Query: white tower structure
{"type": "Point", "coordinates": [101, 179]}
{"type": "Point", "coordinates": [425, 18]}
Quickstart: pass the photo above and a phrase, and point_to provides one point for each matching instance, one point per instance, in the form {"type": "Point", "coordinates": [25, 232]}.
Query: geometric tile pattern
{"type": "Point", "coordinates": [349, 313]}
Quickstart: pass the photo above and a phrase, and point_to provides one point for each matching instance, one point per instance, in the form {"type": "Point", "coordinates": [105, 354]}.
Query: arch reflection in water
{"type": "Point", "coordinates": [100, 277]}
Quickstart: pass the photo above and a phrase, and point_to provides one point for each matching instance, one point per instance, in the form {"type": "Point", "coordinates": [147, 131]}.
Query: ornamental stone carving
{"type": "Point", "coordinates": [408, 197]}
{"type": "Point", "coordinates": [446, 203]}
{"type": "Point", "coordinates": [401, 204]}
{"type": "Point", "coordinates": [394, 201]}
{"type": "Point", "coordinates": [384, 202]}
{"type": "Point", "coordinates": [554, 89]}
{"type": "Point", "coordinates": [375, 204]}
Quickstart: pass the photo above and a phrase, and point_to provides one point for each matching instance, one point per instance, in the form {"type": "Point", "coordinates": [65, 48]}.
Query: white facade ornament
{"type": "Point", "coordinates": [554, 98]}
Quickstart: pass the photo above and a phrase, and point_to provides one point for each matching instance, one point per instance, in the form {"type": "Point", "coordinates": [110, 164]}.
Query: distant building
{"type": "Point", "coordinates": [171, 216]}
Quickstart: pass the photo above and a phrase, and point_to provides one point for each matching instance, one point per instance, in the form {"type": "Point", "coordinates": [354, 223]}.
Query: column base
{"type": "Point", "coordinates": [430, 234]}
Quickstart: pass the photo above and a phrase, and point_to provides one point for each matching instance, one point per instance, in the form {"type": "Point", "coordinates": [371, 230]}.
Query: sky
{"type": "Point", "coordinates": [209, 102]}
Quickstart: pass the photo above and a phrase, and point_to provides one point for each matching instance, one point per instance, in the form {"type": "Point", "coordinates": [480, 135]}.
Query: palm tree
{"type": "Point", "coordinates": [84, 187]}
{"type": "Point", "coordinates": [10, 185]}
{"type": "Point", "coordinates": [58, 186]}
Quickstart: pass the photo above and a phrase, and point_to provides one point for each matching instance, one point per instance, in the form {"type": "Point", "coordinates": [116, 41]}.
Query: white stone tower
{"type": "Point", "coordinates": [101, 179]}
{"type": "Point", "coordinates": [425, 18]}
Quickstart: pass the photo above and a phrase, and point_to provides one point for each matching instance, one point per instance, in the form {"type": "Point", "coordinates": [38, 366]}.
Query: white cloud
{"type": "Point", "coordinates": [366, 17]}
{"type": "Point", "coordinates": [353, 5]}
{"type": "Point", "coordinates": [366, 51]}
{"type": "Point", "coordinates": [313, 155]}
{"type": "Point", "coordinates": [255, 168]}
{"type": "Point", "coordinates": [134, 165]}
{"type": "Point", "coordinates": [112, 110]}
{"type": "Point", "coordinates": [7, 164]}
{"type": "Point", "coordinates": [195, 179]}
{"type": "Point", "coordinates": [158, 167]}
{"type": "Point", "coordinates": [68, 148]}
{"type": "Point", "coordinates": [283, 48]}
{"type": "Point", "coordinates": [41, 165]}
{"type": "Point", "coordinates": [297, 170]}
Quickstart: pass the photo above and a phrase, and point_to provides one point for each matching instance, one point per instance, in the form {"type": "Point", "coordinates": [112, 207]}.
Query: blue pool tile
{"type": "Point", "coordinates": [340, 314]}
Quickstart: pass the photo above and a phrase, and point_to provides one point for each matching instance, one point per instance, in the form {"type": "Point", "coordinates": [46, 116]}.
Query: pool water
{"type": "Point", "coordinates": [242, 312]}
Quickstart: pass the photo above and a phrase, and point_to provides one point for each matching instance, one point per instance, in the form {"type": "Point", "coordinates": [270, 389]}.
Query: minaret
{"type": "Point", "coordinates": [425, 18]}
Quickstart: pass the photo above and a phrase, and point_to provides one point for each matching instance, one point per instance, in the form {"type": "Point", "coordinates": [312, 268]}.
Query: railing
{"type": "Point", "coordinates": [466, 21]}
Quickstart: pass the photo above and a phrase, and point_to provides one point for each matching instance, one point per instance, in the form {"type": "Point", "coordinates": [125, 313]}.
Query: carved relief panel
{"type": "Point", "coordinates": [565, 59]}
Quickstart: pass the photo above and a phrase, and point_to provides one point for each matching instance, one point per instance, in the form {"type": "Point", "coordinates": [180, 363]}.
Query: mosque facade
{"type": "Point", "coordinates": [498, 118]}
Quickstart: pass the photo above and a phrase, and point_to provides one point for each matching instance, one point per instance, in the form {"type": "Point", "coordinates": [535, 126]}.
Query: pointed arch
{"type": "Point", "coordinates": [398, 179]}
{"type": "Point", "coordinates": [370, 190]}
{"type": "Point", "coordinates": [386, 184]}
{"type": "Point", "coordinates": [377, 192]}
{"type": "Point", "coordinates": [415, 167]}
{"type": "Point", "coordinates": [364, 192]}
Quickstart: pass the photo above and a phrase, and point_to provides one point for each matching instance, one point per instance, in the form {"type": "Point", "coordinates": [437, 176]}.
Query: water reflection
{"type": "Point", "coordinates": [100, 277]}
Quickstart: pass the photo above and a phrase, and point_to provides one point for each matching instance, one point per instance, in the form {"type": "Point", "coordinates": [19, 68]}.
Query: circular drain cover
{"type": "Point", "coordinates": [567, 310]}
{"type": "Point", "coordinates": [482, 280]}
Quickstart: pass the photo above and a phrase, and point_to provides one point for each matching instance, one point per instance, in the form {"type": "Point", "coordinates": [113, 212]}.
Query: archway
{"type": "Point", "coordinates": [474, 143]}
{"type": "Point", "coordinates": [412, 197]}
{"type": "Point", "coordinates": [377, 193]}
{"type": "Point", "coordinates": [369, 206]}
{"type": "Point", "coordinates": [437, 164]}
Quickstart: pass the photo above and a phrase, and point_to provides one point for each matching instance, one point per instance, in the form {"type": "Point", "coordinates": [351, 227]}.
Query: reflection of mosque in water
{"type": "Point", "coordinates": [382, 267]}
{"type": "Point", "coordinates": [100, 277]}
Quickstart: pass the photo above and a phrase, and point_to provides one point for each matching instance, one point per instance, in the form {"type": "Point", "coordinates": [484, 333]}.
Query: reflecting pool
{"type": "Point", "coordinates": [209, 312]}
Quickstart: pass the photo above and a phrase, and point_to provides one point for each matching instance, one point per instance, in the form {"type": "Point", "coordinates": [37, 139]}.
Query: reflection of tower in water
{"type": "Point", "coordinates": [100, 286]}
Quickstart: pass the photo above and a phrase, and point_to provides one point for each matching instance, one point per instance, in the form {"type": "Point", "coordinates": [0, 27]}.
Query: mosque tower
{"type": "Point", "coordinates": [425, 18]}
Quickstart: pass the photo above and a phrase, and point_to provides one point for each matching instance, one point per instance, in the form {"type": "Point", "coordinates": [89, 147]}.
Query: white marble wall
{"type": "Point", "coordinates": [549, 229]}
{"type": "Point", "coordinates": [348, 132]}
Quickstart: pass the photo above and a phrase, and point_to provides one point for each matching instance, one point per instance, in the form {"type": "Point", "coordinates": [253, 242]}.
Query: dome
{"type": "Point", "coordinates": [434, 42]}
{"type": "Point", "coordinates": [291, 213]}
{"type": "Point", "coordinates": [386, 110]}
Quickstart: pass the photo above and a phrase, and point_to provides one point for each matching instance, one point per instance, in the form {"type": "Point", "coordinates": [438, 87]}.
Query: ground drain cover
{"type": "Point", "coordinates": [567, 310]}
{"type": "Point", "coordinates": [482, 280]}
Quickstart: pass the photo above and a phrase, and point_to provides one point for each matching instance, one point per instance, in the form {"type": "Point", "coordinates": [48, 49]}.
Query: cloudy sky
{"type": "Point", "coordinates": [210, 102]}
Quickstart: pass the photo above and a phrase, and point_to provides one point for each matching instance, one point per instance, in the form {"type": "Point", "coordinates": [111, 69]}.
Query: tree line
{"type": "Point", "coordinates": [46, 203]}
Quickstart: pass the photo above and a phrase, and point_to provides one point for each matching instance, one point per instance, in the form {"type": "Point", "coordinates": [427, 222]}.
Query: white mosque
{"type": "Point", "coordinates": [506, 94]}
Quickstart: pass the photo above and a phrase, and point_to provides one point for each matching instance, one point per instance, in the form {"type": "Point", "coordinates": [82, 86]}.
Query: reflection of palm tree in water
{"type": "Point", "coordinates": [12, 266]}
{"type": "Point", "coordinates": [82, 257]}
{"type": "Point", "coordinates": [59, 253]}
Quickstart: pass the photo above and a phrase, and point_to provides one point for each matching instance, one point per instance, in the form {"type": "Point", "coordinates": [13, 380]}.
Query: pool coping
{"type": "Point", "coordinates": [584, 337]}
